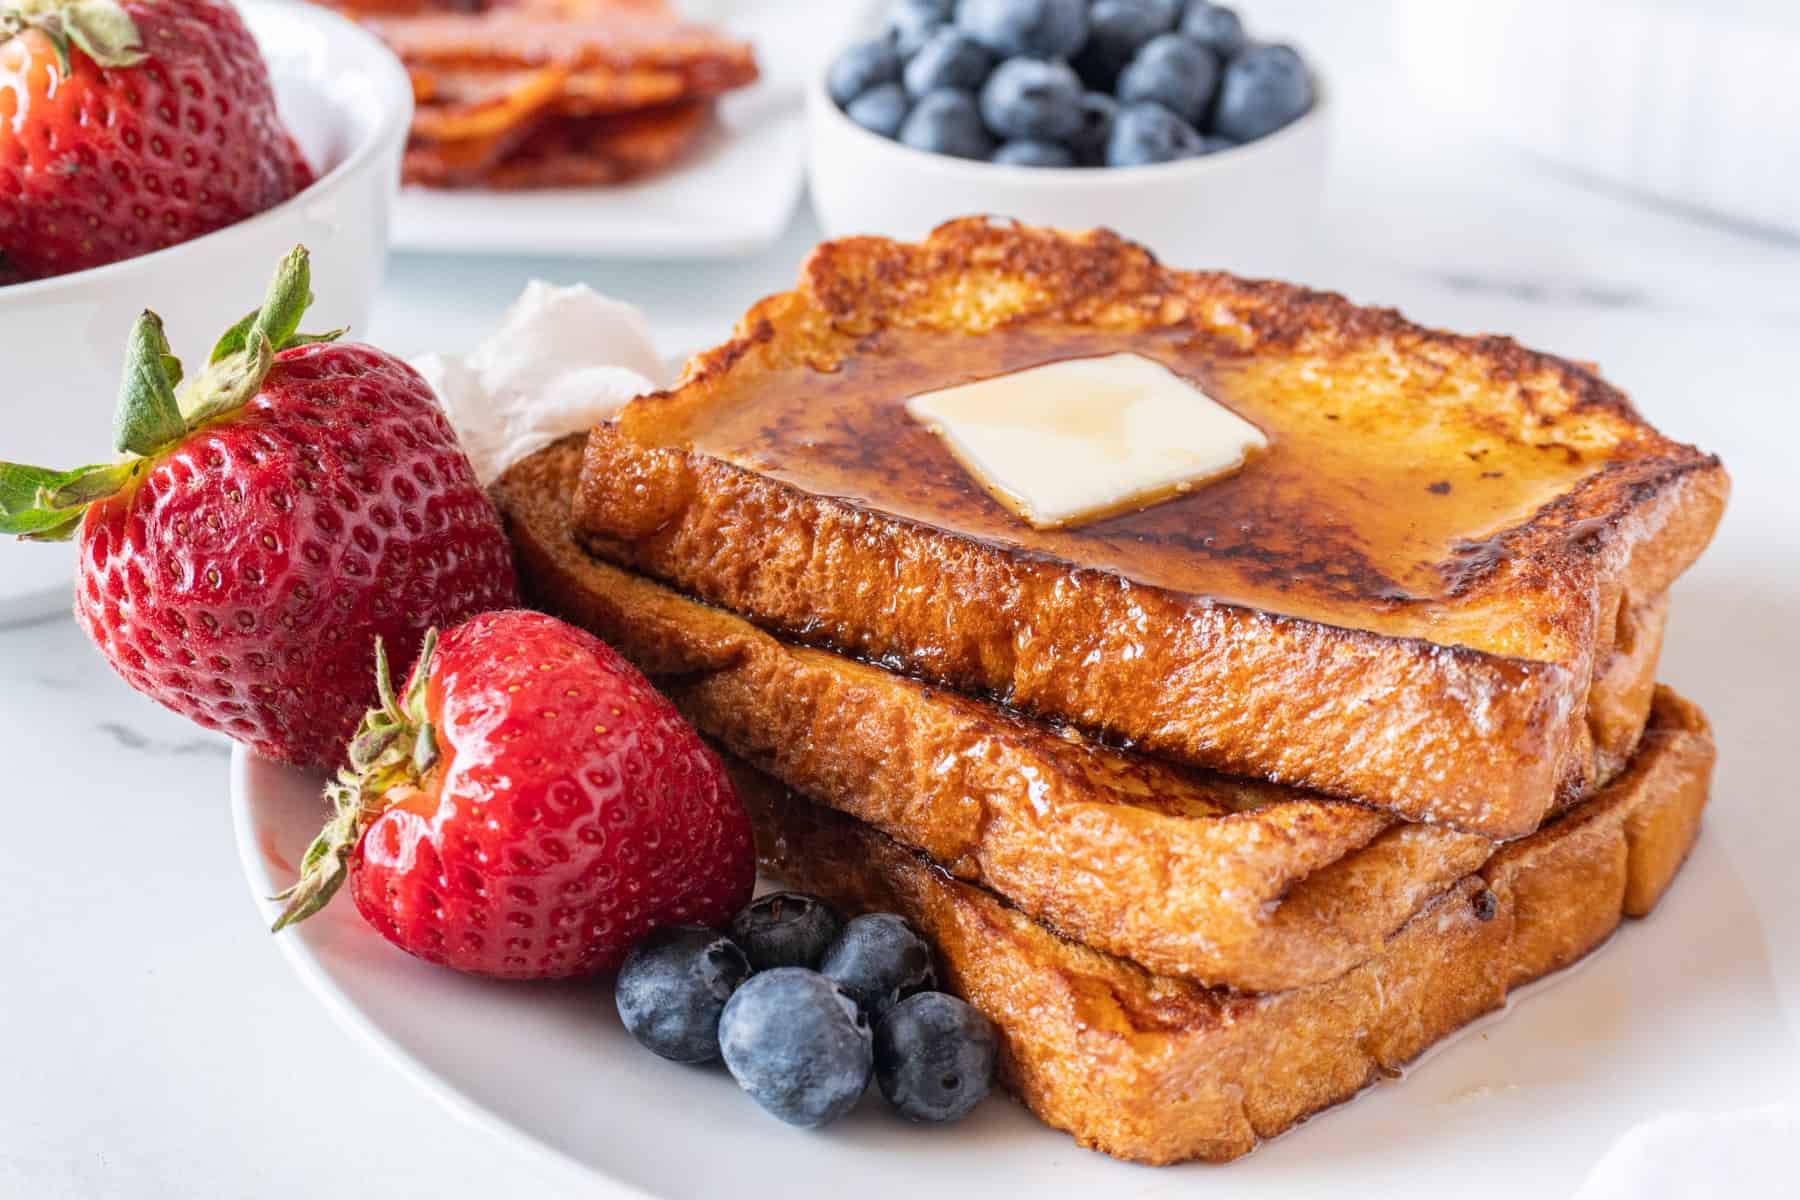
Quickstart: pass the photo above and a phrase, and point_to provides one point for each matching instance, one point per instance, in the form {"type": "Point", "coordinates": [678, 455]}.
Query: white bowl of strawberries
{"type": "Point", "coordinates": [174, 165]}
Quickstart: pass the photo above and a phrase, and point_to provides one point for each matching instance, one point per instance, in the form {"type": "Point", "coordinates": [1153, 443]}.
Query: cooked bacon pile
{"type": "Point", "coordinates": [552, 93]}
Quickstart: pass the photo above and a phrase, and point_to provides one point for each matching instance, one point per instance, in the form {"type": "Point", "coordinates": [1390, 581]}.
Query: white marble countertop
{"type": "Point", "coordinates": [154, 1044]}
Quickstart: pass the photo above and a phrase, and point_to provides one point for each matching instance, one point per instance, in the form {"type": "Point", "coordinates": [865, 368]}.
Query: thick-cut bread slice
{"type": "Point", "coordinates": [1405, 600]}
{"type": "Point", "coordinates": [1251, 885]}
{"type": "Point", "coordinates": [1161, 1070]}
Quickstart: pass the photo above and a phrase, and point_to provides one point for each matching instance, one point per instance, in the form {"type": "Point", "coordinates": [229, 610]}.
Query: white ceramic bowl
{"type": "Point", "coordinates": [1252, 209]}
{"type": "Point", "coordinates": [347, 100]}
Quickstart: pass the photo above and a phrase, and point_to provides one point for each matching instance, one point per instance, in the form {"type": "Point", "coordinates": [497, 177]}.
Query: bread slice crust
{"type": "Point", "coordinates": [1159, 1070]}
{"type": "Point", "coordinates": [1446, 682]}
{"type": "Point", "coordinates": [1245, 884]}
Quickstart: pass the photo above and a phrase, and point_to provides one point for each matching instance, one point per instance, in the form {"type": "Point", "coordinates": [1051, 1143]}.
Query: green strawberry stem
{"type": "Point", "coordinates": [148, 414]}
{"type": "Point", "coordinates": [157, 409]}
{"type": "Point", "coordinates": [394, 749]}
{"type": "Point", "coordinates": [100, 29]}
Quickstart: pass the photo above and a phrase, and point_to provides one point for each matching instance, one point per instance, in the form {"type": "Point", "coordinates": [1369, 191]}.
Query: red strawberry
{"type": "Point", "coordinates": [277, 515]}
{"type": "Point", "coordinates": [528, 808]}
{"type": "Point", "coordinates": [129, 126]}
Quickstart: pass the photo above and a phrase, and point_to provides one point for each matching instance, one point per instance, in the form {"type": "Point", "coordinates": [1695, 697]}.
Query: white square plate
{"type": "Point", "coordinates": [733, 196]}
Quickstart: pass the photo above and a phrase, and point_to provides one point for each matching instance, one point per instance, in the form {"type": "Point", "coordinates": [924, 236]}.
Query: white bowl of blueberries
{"type": "Point", "coordinates": [1163, 119]}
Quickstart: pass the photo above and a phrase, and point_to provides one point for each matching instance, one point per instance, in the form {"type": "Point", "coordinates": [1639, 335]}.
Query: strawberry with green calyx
{"type": "Point", "coordinates": [272, 516]}
{"type": "Point", "coordinates": [100, 29]}
{"type": "Point", "coordinates": [131, 125]}
{"type": "Point", "coordinates": [394, 748]}
{"type": "Point", "coordinates": [152, 416]}
{"type": "Point", "coordinates": [527, 807]}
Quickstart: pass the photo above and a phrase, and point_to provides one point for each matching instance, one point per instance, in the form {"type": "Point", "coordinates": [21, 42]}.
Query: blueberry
{"type": "Point", "coordinates": [673, 986]}
{"type": "Point", "coordinates": [786, 929]}
{"type": "Point", "coordinates": [1173, 72]}
{"type": "Point", "coordinates": [1210, 144]}
{"type": "Point", "coordinates": [1149, 133]}
{"type": "Point", "coordinates": [1116, 28]}
{"type": "Point", "coordinates": [879, 959]}
{"type": "Point", "coordinates": [882, 109]}
{"type": "Point", "coordinates": [911, 22]}
{"type": "Point", "coordinates": [1265, 88]}
{"type": "Point", "coordinates": [948, 60]}
{"type": "Point", "coordinates": [1030, 98]}
{"type": "Point", "coordinates": [934, 1057]}
{"type": "Point", "coordinates": [1023, 152]}
{"type": "Point", "coordinates": [1215, 27]}
{"type": "Point", "coordinates": [1089, 143]}
{"type": "Point", "coordinates": [861, 67]}
{"type": "Point", "coordinates": [947, 122]}
{"type": "Point", "coordinates": [1025, 28]}
{"type": "Point", "coordinates": [798, 1044]}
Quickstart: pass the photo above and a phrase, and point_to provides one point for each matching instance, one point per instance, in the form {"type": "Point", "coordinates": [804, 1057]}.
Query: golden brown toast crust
{"type": "Point", "coordinates": [1160, 1070]}
{"type": "Point", "coordinates": [1459, 697]}
{"type": "Point", "coordinates": [1251, 885]}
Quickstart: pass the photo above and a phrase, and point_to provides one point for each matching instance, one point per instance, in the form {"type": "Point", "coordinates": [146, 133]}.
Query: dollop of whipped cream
{"type": "Point", "coordinates": [563, 359]}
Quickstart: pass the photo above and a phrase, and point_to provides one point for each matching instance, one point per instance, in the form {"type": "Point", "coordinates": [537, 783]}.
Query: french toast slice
{"type": "Point", "coordinates": [1161, 1070]}
{"type": "Point", "coordinates": [1251, 885]}
{"type": "Point", "coordinates": [1405, 600]}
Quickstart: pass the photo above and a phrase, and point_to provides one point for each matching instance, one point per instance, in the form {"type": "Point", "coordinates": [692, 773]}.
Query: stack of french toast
{"type": "Point", "coordinates": [1221, 805]}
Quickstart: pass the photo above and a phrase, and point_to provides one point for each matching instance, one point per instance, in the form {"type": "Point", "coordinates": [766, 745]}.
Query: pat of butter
{"type": "Point", "coordinates": [1087, 438]}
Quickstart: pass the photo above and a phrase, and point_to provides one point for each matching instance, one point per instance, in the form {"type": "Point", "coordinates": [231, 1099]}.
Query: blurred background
{"type": "Point", "coordinates": [1604, 155]}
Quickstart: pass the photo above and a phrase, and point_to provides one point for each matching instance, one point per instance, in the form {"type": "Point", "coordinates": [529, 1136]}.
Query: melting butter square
{"type": "Point", "coordinates": [1085, 438]}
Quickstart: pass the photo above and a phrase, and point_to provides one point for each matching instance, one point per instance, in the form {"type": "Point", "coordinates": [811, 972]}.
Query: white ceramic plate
{"type": "Point", "coordinates": [1680, 1012]}
{"type": "Point", "coordinates": [732, 197]}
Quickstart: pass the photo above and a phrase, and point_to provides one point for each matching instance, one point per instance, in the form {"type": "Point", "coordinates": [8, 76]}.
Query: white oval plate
{"type": "Point", "coordinates": [1679, 1013]}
